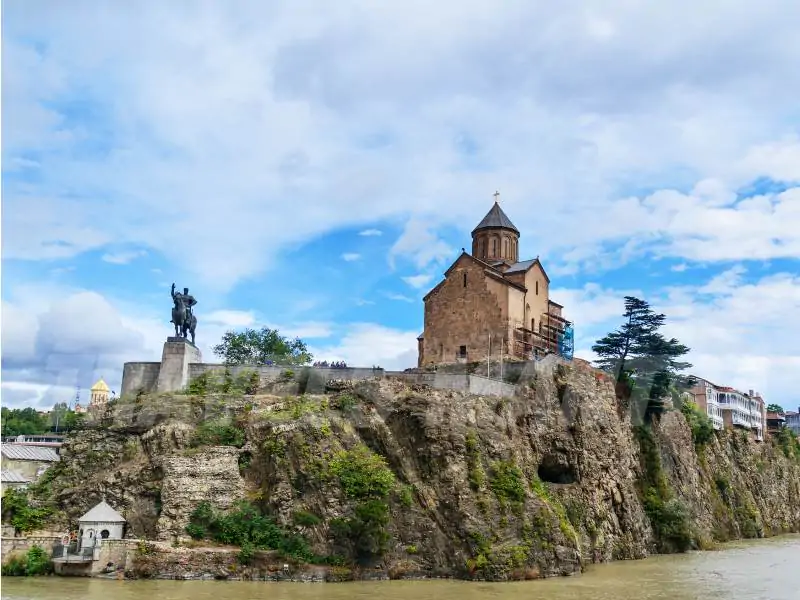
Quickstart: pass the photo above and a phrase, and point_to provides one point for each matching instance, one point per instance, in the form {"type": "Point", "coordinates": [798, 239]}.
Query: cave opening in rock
{"type": "Point", "coordinates": [555, 468]}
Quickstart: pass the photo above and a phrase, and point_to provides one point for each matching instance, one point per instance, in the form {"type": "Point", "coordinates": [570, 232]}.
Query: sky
{"type": "Point", "coordinates": [317, 166]}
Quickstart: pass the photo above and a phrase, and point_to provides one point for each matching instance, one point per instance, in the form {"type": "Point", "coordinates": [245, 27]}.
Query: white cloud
{"type": "Point", "coordinates": [362, 113]}
{"type": "Point", "coordinates": [367, 344]}
{"type": "Point", "coordinates": [418, 281]}
{"type": "Point", "coordinates": [123, 258]}
{"type": "Point", "coordinates": [350, 256]}
{"type": "Point", "coordinates": [370, 232]}
{"type": "Point", "coordinates": [231, 318]}
{"type": "Point", "coordinates": [679, 268]}
{"type": "Point", "coordinates": [399, 297]}
{"type": "Point", "coordinates": [419, 243]}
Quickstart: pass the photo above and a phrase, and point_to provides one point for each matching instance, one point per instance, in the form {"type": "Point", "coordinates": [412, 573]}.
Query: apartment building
{"type": "Point", "coordinates": [728, 407]}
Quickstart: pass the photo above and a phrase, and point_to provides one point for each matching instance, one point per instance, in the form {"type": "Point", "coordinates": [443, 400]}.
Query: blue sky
{"type": "Point", "coordinates": [317, 171]}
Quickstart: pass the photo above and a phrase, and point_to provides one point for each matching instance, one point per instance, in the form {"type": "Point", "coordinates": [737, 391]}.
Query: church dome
{"type": "Point", "coordinates": [496, 238]}
{"type": "Point", "coordinates": [495, 219]}
{"type": "Point", "coordinates": [100, 386]}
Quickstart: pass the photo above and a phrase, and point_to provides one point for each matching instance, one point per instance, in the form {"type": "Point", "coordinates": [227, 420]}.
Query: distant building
{"type": "Point", "coordinates": [99, 395]}
{"type": "Point", "coordinates": [775, 421]}
{"type": "Point", "coordinates": [27, 460]}
{"type": "Point", "coordinates": [492, 305]}
{"type": "Point", "coordinates": [12, 479]}
{"type": "Point", "coordinates": [793, 421]}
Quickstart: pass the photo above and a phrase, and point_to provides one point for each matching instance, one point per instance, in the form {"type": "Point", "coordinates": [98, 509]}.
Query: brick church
{"type": "Point", "coordinates": [491, 304]}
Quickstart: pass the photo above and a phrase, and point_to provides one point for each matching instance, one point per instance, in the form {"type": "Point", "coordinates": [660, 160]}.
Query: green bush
{"type": "Point", "coordinates": [365, 532]}
{"type": "Point", "coordinates": [34, 562]}
{"type": "Point", "coordinates": [245, 526]}
{"type": "Point", "coordinates": [218, 433]}
{"type": "Point", "coordinates": [670, 521]}
{"type": "Point", "coordinates": [788, 442]}
{"type": "Point", "coordinates": [475, 472]}
{"type": "Point", "coordinates": [701, 426]}
{"type": "Point", "coordinates": [406, 495]}
{"type": "Point", "coordinates": [362, 473]}
{"type": "Point", "coordinates": [21, 514]}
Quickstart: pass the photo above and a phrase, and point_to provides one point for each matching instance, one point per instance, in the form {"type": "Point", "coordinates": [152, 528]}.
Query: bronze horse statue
{"type": "Point", "coordinates": [182, 316]}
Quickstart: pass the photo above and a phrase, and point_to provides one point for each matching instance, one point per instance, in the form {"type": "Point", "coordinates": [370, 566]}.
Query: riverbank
{"type": "Point", "coordinates": [743, 570]}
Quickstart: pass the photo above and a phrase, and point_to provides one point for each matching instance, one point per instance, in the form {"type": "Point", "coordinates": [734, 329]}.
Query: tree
{"type": "Point", "coordinates": [776, 408]}
{"type": "Point", "coordinates": [260, 346]}
{"type": "Point", "coordinates": [639, 355]}
{"type": "Point", "coordinates": [23, 421]}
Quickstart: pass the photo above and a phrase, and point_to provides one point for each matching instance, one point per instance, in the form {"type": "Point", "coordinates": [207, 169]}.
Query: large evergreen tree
{"type": "Point", "coordinates": [260, 346]}
{"type": "Point", "coordinates": [639, 355]}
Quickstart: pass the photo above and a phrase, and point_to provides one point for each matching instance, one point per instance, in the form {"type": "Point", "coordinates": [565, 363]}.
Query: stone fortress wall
{"type": "Point", "coordinates": [181, 362]}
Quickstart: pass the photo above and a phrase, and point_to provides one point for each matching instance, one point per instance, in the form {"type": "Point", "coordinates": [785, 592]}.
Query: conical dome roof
{"type": "Point", "coordinates": [496, 218]}
{"type": "Point", "coordinates": [100, 386]}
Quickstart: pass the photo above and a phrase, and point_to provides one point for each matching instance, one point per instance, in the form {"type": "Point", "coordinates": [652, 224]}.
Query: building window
{"type": "Point", "coordinates": [462, 351]}
{"type": "Point", "coordinates": [104, 534]}
{"type": "Point", "coordinates": [465, 280]}
{"type": "Point", "coordinates": [533, 324]}
{"type": "Point", "coordinates": [494, 247]}
{"type": "Point", "coordinates": [537, 288]}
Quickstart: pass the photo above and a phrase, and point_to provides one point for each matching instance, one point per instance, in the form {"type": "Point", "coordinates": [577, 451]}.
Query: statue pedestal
{"type": "Point", "coordinates": [178, 354]}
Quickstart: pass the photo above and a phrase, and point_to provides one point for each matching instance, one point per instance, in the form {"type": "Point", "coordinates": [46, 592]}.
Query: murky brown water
{"type": "Point", "coordinates": [760, 570]}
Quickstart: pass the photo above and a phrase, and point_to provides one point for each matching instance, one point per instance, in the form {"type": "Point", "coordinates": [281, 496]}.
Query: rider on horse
{"type": "Point", "coordinates": [188, 302]}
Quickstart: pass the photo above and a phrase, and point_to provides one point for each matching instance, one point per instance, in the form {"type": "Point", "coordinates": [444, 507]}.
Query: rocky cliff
{"type": "Point", "coordinates": [413, 481]}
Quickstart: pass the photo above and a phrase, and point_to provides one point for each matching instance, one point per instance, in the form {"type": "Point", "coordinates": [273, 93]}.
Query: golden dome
{"type": "Point", "coordinates": [100, 386]}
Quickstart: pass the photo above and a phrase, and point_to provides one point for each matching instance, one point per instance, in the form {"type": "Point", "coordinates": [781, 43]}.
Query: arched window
{"type": "Point", "coordinates": [104, 534]}
{"type": "Point", "coordinates": [494, 247]}
{"type": "Point", "coordinates": [537, 288]}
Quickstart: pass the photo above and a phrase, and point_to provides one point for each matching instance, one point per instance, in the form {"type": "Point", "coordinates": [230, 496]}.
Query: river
{"type": "Point", "coordinates": [752, 570]}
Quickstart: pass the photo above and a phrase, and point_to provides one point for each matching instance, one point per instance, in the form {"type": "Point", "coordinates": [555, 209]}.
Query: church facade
{"type": "Point", "coordinates": [492, 305]}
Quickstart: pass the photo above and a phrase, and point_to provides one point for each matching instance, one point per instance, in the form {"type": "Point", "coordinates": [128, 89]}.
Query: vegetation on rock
{"type": "Point", "coordinates": [701, 426]}
{"type": "Point", "coordinates": [34, 562]}
{"type": "Point", "coordinates": [21, 514]}
{"type": "Point", "coordinates": [245, 526]}
{"type": "Point", "coordinates": [668, 516]}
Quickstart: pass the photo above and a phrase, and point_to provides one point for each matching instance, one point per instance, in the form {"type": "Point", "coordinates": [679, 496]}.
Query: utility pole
{"type": "Point", "coordinates": [502, 343]}
{"type": "Point", "coordinates": [489, 358]}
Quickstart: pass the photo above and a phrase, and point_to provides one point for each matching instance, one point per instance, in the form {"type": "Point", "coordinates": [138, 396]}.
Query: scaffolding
{"type": "Point", "coordinates": [554, 335]}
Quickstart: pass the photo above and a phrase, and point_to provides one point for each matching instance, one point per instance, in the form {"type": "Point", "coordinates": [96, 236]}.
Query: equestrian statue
{"type": "Point", "coordinates": [182, 315]}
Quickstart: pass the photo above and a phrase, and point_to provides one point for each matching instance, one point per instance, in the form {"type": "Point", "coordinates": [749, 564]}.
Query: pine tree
{"type": "Point", "coordinates": [640, 357]}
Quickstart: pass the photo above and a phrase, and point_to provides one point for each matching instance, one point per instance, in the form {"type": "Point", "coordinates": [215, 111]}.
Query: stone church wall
{"type": "Point", "coordinates": [457, 315]}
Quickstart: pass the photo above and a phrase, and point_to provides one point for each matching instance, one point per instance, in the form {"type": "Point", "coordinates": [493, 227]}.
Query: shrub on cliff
{"type": "Point", "coordinates": [701, 426]}
{"type": "Point", "coordinates": [366, 479]}
{"type": "Point", "coordinates": [218, 433]}
{"type": "Point", "coordinates": [245, 526]}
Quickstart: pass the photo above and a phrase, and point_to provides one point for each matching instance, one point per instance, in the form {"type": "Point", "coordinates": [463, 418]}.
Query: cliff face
{"type": "Point", "coordinates": [536, 485]}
